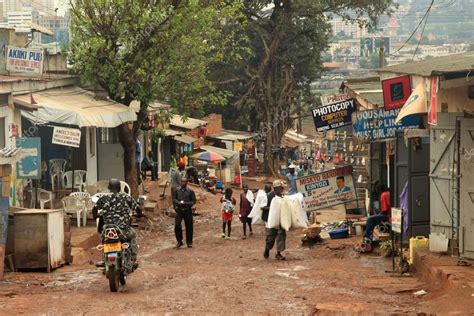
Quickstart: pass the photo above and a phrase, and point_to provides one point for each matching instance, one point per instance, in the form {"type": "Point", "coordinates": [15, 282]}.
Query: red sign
{"type": "Point", "coordinates": [396, 92]}
{"type": "Point", "coordinates": [432, 112]}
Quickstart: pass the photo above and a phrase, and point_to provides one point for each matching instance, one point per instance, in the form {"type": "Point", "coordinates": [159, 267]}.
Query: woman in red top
{"type": "Point", "coordinates": [245, 209]}
{"type": "Point", "coordinates": [384, 216]}
{"type": "Point", "coordinates": [228, 208]}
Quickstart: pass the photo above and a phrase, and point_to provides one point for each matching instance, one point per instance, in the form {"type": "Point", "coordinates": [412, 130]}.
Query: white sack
{"type": "Point", "coordinates": [285, 213]}
{"type": "Point", "coordinates": [250, 198]}
{"type": "Point", "coordinates": [256, 213]}
{"type": "Point", "coordinates": [299, 218]}
{"type": "Point", "coordinates": [274, 214]}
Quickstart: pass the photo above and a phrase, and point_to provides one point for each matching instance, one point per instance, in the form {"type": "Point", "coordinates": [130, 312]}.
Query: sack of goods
{"type": "Point", "coordinates": [287, 213]}
{"type": "Point", "coordinates": [256, 213]}
{"type": "Point", "coordinates": [274, 215]}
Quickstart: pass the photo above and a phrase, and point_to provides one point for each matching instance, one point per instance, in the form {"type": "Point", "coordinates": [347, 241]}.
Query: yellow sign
{"type": "Point", "coordinates": [238, 146]}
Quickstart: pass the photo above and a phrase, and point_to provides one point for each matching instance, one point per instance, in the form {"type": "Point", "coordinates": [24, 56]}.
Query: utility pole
{"type": "Point", "coordinates": [381, 52]}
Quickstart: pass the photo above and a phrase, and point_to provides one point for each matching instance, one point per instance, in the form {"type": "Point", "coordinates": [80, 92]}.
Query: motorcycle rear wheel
{"type": "Point", "coordinates": [113, 276]}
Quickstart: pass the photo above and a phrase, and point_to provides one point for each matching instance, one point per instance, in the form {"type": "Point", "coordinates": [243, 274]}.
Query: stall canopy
{"type": "Point", "coordinates": [223, 152]}
{"type": "Point", "coordinates": [74, 106]}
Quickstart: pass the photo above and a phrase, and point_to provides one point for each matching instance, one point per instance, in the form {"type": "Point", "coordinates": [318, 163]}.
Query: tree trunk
{"type": "Point", "coordinates": [129, 163]}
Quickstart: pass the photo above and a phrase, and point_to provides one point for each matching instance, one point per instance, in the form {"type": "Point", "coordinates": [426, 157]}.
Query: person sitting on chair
{"type": "Point", "coordinates": [384, 216]}
{"type": "Point", "coordinates": [149, 165]}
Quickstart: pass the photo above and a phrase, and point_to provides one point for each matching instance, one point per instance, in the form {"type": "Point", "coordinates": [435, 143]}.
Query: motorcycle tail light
{"type": "Point", "coordinates": [112, 258]}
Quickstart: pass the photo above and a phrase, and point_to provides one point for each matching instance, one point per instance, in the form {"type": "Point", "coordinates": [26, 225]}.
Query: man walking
{"type": "Point", "coordinates": [274, 234]}
{"type": "Point", "coordinates": [291, 177]}
{"type": "Point", "coordinates": [183, 201]}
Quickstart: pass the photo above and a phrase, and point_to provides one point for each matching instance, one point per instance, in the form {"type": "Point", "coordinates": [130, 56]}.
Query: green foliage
{"type": "Point", "coordinates": [148, 50]}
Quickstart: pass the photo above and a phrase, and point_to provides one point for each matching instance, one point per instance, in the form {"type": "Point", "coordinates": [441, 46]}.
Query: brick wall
{"type": "Point", "coordinates": [214, 125]}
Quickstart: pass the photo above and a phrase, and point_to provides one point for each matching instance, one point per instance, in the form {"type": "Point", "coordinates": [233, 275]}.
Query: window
{"type": "Point", "coordinates": [92, 141]}
{"type": "Point", "coordinates": [108, 136]}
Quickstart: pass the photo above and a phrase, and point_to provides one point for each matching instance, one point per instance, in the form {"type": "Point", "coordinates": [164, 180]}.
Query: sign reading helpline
{"type": "Point", "coordinates": [25, 60]}
{"type": "Point", "coordinates": [379, 124]}
{"type": "Point", "coordinates": [67, 136]}
{"type": "Point", "coordinates": [333, 116]}
{"type": "Point", "coordinates": [327, 189]}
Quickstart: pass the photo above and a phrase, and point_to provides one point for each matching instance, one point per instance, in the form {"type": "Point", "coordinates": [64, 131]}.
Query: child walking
{"type": "Point", "coordinates": [246, 204]}
{"type": "Point", "coordinates": [228, 208]}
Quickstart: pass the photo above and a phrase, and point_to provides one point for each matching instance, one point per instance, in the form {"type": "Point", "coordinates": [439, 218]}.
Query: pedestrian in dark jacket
{"type": "Point", "coordinates": [183, 201]}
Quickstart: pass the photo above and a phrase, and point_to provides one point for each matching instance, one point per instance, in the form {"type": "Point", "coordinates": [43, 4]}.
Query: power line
{"type": "Point", "coordinates": [422, 32]}
{"type": "Point", "coordinates": [416, 29]}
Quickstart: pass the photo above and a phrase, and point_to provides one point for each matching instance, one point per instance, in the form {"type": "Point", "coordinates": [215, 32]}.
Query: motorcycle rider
{"type": "Point", "coordinates": [117, 208]}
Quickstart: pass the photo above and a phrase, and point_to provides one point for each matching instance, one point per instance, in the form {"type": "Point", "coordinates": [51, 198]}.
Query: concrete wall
{"type": "Point", "coordinates": [91, 154]}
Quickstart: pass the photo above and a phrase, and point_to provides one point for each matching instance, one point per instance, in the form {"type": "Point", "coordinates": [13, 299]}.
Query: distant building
{"type": "Point", "coordinates": [44, 6]}
{"type": "Point", "coordinates": [21, 19]}
{"type": "Point", "coordinates": [346, 28]}
{"type": "Point", "coordinates": [58, 25]}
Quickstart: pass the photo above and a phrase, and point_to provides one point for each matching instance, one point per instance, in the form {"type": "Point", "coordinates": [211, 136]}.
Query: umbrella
{"type": "Point", "coordinates": [208, 156]}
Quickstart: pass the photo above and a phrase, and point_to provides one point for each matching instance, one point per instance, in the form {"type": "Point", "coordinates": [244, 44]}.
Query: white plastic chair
{"type": "Point", "coordinates": [72, 205]}
{"type": "Point", "coordinates": [91, 189]}
{"type": "Point", "coordinates": [88, 205]}
{"type": "Point", "coordinates": [56, 170]}
{"type": "Point", "coordinates": [125, 188]}
{"type": "Point", "coordinates": [80, 181]}
{"type": "Point", "coordinates": [102, 186]}
{"type": "Point", "coordinates": [45, 197]}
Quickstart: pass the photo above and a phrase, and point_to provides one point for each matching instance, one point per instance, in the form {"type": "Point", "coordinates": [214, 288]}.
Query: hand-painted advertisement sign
{"type": "Point", "coordinates": [25, 60]}
{"type": "Point", "coordinates": [379, 124]}
{"type": "Point", "coordinates": [327, 188]}
{"type": "Point", "coordinates": [333, 116]}
{"type": "Point", "coordinates": [29, 166]}
{"type": "Point", "coordinates": [67, 136]}
{"type": "Point", "coordinates": [331, 99]}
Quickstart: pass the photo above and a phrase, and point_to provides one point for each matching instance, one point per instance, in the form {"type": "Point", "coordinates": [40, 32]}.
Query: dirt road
{"type": "Point", "coordinates": [221, 276]}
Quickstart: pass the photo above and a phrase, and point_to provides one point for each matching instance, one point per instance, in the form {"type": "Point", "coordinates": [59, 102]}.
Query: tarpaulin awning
{"type": "Point", "coordinates": [185, 139]}
{"type": "Point", "coordinates": [221, 151]}
{"type": "Point", "coordinates": [74, 106]}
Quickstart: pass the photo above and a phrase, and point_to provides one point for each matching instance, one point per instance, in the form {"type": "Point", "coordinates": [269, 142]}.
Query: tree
{"type": "Point", "coordinates": [288, 39]}
{"type": "Point", "coordinates": [151, 50]}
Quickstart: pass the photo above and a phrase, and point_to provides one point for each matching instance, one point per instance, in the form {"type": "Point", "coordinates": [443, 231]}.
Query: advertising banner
{"type": "Point", "coordinates": [378, 124]}
{"type": "Point", "coordinates": [331, 99]}
{"type": "Point", "coordinates": [25, 60]}
{"type": "Point", "coordinates": [29, 166]}
{"type": "Point", "coordinates": [333, 116]}
{"type": "Point", "coordinates": [396, 92]}
{"type": "Point", "coordinates": [67, 136]}
{"type": "Point", "coordinates": [328, 188]}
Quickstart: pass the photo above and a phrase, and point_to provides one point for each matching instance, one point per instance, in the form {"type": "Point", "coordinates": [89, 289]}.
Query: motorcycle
{"type": "Point", "coordinates": [117, 256]}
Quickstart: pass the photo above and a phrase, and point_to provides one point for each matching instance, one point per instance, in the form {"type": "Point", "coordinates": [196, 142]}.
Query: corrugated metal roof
{"type": "Point", "coordinates": [221, 151]}
{"type": "Point", "coordinates": [189, 123]}
{"type": "Point", "coordinates": [369, 89]}
{"type": "Point", "coordinates": [171, 132]}
{"type": "Point", "coordinates": [435, 66]}
{"type": "Point", "coordinates": [185, 139]}
{"type": "Point", "coordinates": [232, 135]}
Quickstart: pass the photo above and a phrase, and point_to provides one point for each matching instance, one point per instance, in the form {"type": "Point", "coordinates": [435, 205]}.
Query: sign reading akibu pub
{"type": "Point", "coordinates": [333, 116]}
{"type": "Point", "coordinates": [379, 124]}
{"type": "Point", "coordinates": [25, 60]}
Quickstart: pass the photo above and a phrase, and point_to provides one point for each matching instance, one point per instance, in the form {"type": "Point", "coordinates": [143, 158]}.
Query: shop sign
{"type": "Point", "coordinates": [67, 136]}
{"type": "Point", "coordinates": [334, 115]}
{"type": "Point", "coordinates": [328, 188]}
{"type": "Point", "coordinates": [378, 124]}
{"type": "Point", "coordinates": [396, 220]}
{"type": "Point", "coordinates": [331, 99]}
{"type": "Point", "coordinates": [396, 92]}
{"type": "Point", "coordinates": [29, 165]}
{"type": "Point", "coordinates": [25, 60]}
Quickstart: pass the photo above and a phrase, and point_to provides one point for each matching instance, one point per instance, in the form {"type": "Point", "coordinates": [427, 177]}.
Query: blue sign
{"type": "Point", "coordinates": [333, 116]}
{"type": "Point", "coordinates": [29, 166]}
{"type": "Point", "coordinates": [378, 124]}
